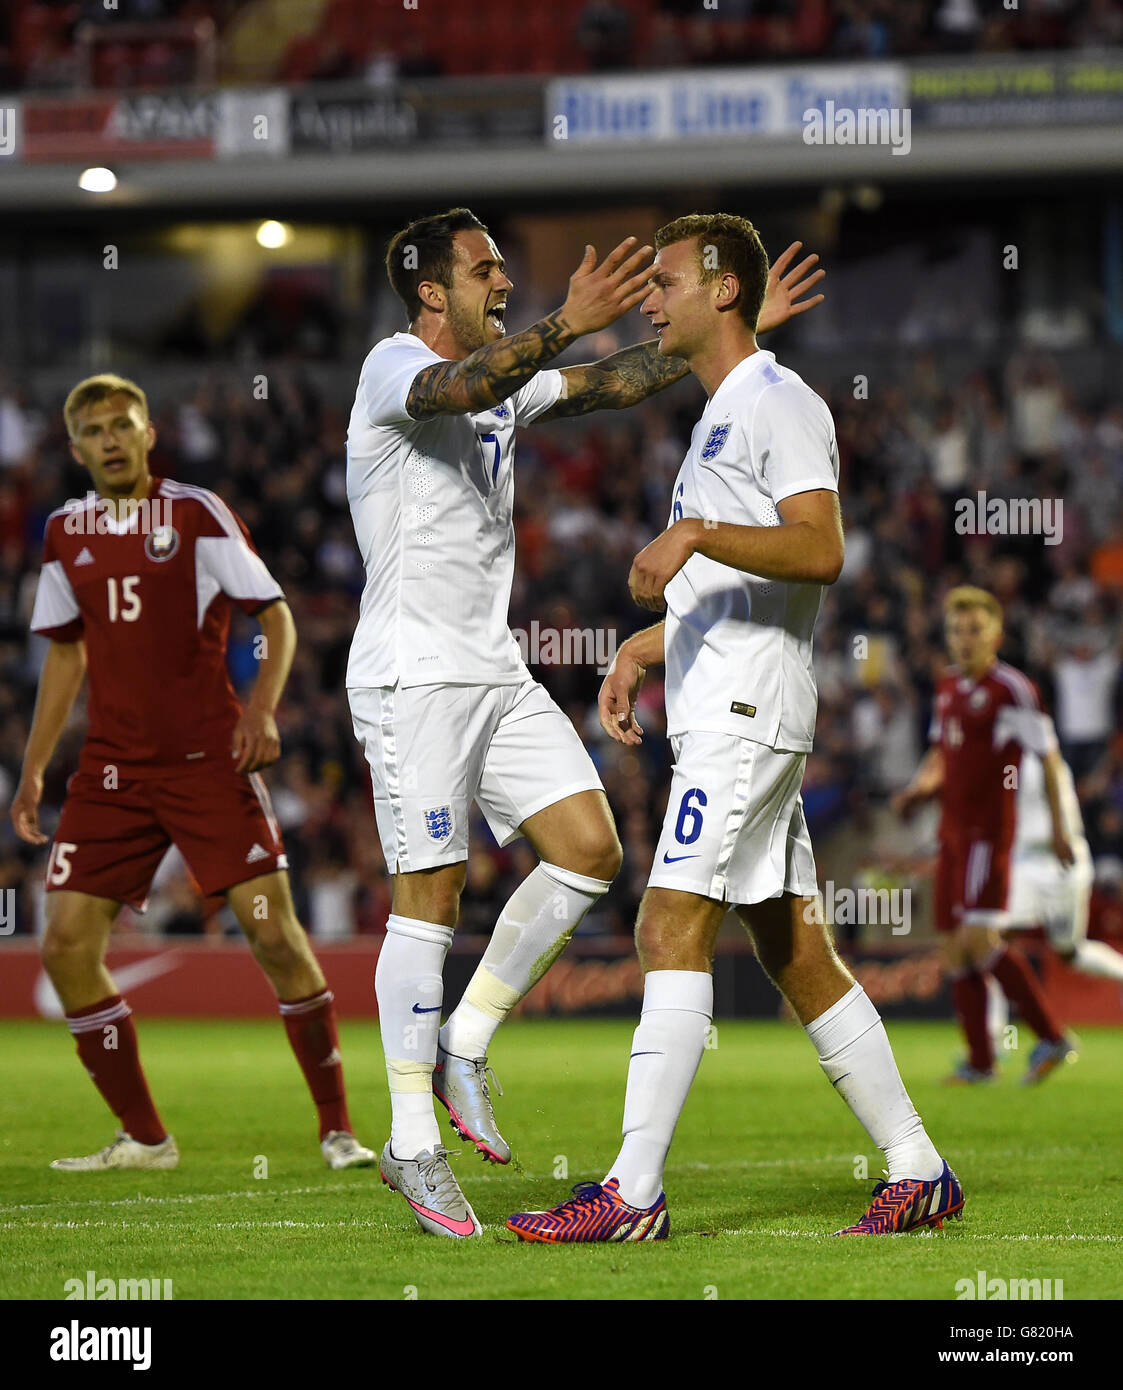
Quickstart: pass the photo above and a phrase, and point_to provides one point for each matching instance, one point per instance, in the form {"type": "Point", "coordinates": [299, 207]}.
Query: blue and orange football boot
{"type": "Point", "coordinates": [909, 1205]}
{"type": "Point", "coordinates": [593, 1213]}
{"type": "Point", "coordinates": [1046, 1057]}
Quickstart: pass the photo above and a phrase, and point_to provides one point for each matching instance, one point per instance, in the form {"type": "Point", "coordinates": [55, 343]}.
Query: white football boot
{"type": "Point", "coordinates": [124, 1152]}
{"type": "Point", "coordinates": [343, 1150]}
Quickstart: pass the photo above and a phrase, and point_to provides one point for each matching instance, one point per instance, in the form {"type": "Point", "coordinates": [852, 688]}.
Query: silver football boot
{"type": "Point", "coordinates": [427, 1184]}
{"type": "Point", "coordinates": [460, 1084]}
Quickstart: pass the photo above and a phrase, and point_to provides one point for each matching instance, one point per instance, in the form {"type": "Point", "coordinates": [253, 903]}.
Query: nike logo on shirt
{"type": "Point", "coordinates": [668, 859]}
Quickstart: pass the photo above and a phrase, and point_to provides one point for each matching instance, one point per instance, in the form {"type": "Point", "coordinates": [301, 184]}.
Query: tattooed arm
{"type": "Point", "coordinates": [598, 295]}
{"type": "Point", "coordinates": [490, 374]}
{"type": "Point", "coordinates": [624, 379]}
{"type": "Point", "coordinates": [638, 372]}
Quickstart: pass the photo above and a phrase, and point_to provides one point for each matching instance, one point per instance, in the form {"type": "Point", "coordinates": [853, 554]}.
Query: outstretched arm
{"type": "Point", "coordinates": [598, 296]}
{"type": "Point", "coordinates": [633, 374]}
{"type": "Point", "coordinates": [626, 378]}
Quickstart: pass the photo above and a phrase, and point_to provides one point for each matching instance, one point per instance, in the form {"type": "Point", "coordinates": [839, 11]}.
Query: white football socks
{"type": "Point", "coordinates": [532, 931]}
{"type": "Point", "coordinates": [666, 1050]}
{"type": "Point", "coordinates": [409, 986]}
{"type": "Point", "coordinates": [854, 1052]}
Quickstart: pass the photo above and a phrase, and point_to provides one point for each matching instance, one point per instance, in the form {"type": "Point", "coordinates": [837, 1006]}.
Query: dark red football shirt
{"type": "Point", "coordinates": [981, 728]}
{"type": "Point", "coordinates": [151, 600]}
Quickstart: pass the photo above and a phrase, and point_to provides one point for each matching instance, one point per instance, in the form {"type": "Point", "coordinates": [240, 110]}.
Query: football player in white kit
{"type": "Point", "coordinates": [440, 697]}
{"type": "Point", "coordinates": [1043, 891]}
{"type": "Point", "coordinates": [754, 535]}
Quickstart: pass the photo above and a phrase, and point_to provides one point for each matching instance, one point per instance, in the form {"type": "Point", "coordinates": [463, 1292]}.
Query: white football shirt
{"type": "Point", "coordinates": [432, 505]}
{"type": "Point", "coordinates": [739, 647]}
{"type": "Point", "coordinates": [1034, 826]}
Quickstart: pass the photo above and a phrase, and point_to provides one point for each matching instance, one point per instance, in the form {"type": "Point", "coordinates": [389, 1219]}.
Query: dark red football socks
{"type": "Point", "coordinates": [1021, 987]}
{"type": "Point", "coordinates": [969, 997]}
{"type": "Point", "coordinates": [314, 1036]}
{"type": "Point", "coordinates": [107, 1045]}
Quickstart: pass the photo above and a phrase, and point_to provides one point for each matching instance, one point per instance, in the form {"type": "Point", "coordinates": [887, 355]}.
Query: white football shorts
{"type": "Point", "coordinates": [1043, 893]}
{"type": "Point", "coordinates": [734, 829]}
{"type": "Point", "coordinates": [434, 749]}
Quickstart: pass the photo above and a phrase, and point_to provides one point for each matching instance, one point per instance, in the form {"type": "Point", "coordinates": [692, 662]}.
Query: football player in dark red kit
{"type": "Point", "coordinates": [135, 590]}
{"type": "Point", "coordinates": [986, 713]}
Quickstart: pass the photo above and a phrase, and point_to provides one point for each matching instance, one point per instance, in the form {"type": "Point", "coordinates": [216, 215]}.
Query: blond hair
{"type": "Point", "coordinates": [966, 597]}
{"type": "Point", "coordinates": [99, 388]}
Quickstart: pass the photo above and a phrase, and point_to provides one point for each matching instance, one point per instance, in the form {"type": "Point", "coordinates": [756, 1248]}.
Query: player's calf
{"type": "Point", "coordinates": [73, 947]}
{"type": "Point", "coordinates": [267, 917]}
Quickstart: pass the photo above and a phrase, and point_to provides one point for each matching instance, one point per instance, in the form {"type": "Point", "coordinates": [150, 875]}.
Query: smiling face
{"type": "Point", "coordinates": [112, 438]}
{"type": "Point", "coordinates": [475, 303]}
{"type": "Point", "coordinates": [681, 307]}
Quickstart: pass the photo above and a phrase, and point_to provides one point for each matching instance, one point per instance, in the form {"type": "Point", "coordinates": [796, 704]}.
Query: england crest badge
{"type": "Point", "coordinates": [715, 441]}
{"type": "Point", "coordinates": [438, 822]}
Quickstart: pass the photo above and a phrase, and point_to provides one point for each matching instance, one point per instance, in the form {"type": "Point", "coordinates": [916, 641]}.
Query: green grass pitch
{"type": "Point", "coordinates": [765, 1165]}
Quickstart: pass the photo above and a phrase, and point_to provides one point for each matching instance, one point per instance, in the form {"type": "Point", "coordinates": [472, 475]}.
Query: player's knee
{"type": "Point", "coordinates": [596, 853]}
{"type": "Point", "coordinates": [430, 895]}
{"type": "Point", "coordinates": [663, 943]}
{"type": "Point", "coordinates": [604, 857]}
{"type": "Point", "coordinates": [279, 937]}
{"type": "Point", "coordinates": [64, 949]}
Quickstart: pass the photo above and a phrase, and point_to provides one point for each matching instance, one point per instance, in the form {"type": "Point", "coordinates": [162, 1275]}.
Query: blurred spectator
{"type": "Point", "coordinates": [604, 34]}
{"type": "Point", "coordinates": [611, 34]}
{"type": "Point", "coordinates": [1085, 679]}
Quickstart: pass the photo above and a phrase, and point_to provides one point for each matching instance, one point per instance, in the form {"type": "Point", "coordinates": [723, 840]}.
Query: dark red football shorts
{"type": "Point", "coordinates": [972, 882]}
{"type": "Point", "coordinates": [109, 841]}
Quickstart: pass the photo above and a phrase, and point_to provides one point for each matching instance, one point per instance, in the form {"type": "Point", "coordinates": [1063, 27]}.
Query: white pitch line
{"type": "Point", "coordinates": [959, 1236]}
{"type": "Point", "coordinates": [358, 1224]}
{"type": "Point", "coordinates": [728, 1165]}
{"type": "Point", "coordinates": [186, 1197]}
{"type": "Point", "coordinates": [214, 1226]}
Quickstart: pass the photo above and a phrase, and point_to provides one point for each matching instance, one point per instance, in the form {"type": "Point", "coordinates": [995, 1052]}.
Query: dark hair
{"type": "Point", "coordinates": [430, 239]}
{"type": "Point", "coordinates": [738, 251]}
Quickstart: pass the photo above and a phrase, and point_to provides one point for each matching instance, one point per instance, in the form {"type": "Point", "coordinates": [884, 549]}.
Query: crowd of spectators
{"type": "Point", "coordinates": [381, 40]}
{"type": "Point", "coordinates": [587, 500]}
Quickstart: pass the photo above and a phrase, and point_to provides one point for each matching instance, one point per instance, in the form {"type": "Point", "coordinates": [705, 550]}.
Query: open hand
{"type": "Point", "coordinates": [600, 294]}
{"type": "Point", "coordinates": [783, 297]}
